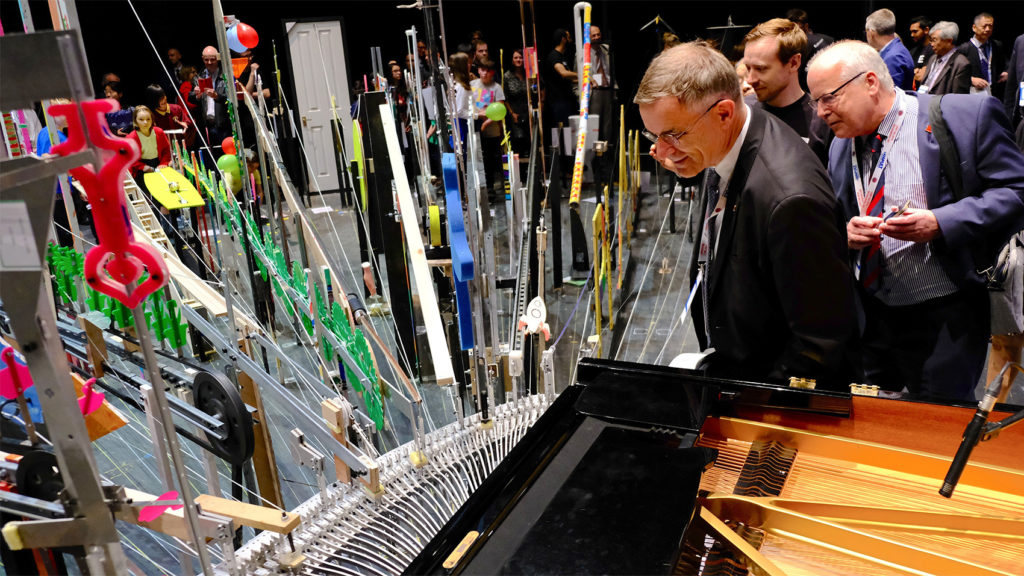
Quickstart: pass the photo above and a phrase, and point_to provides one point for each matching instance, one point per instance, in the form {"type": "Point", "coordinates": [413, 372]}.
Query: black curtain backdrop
{"type": "Point", "coordinates": [115, 42]}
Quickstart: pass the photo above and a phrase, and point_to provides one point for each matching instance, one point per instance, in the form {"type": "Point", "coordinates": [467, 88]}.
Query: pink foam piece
{"type": "Point", "coordinates": [91, 400]}
{"type": "Point", "coordinates": [14, 374]}
{"type": "Point", "coordinates": [149, 513]}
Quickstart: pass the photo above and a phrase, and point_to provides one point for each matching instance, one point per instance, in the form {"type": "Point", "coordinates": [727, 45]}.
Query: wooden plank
{"type": "Point", "coordinates": [104, 419]}
{"type": "Point", "coordinates": [171, 522]}
{"type": "Point", "coordinates": [259, 517]}
{"type": "Point", "coordinates": [436, 341]}
{"type": "Point", "coordinates": [263, 456]}
{"type": "Point", "coordinates": [95, 346]}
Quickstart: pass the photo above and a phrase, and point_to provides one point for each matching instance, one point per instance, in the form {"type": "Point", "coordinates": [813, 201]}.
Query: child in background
{"type": "Point", "coordinates": [156, 153]}
{"type": "Point", "coordinates": [458, 63]}
{"type": "Point", "coordinates": [486, 92]}
{"type": "Point", "coordinates": [188, 73]}
{"type": "Point", "coordinates": [156, 148]}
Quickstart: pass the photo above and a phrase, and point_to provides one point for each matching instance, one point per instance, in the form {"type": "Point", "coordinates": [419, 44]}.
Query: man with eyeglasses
{"type": "Point", "coordinates": [916, 249]}
{"type": "Point", "coordinates": [773, 290]}
{"type": "Point", "coordinates": [211, 94]}
{"type": "Point", "coordinates": [947, 71]}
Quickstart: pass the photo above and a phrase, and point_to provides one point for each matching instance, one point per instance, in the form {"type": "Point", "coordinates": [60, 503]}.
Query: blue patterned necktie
{"type": "Point", "coordinates": [986, 57]}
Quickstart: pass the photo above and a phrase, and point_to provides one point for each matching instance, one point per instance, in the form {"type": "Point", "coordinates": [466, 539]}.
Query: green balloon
{"type": "Point", "coordinates": [228, 163]}
{"type": "Point", "coordinates": [495, 111]}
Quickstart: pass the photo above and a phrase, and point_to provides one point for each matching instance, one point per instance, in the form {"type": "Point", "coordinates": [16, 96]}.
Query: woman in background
{"type": "Point", "coordinates": [516, 87]}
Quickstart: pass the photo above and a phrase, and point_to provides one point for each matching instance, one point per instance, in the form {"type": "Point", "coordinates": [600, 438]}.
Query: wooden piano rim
{"type": "Point", "coordinates": [889, 456]}
{"type": "Point", "coordinates": [934, 429]}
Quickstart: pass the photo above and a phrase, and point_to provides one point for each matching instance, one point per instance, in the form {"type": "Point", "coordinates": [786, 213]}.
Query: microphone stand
{"type": "Point", "coordinates": [979, 430]}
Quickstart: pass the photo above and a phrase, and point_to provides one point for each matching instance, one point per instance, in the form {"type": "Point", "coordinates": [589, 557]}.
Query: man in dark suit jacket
{"type": "Point", "coordinates": [777, 287]}
{"type": "Point", "coordinates": [987, 58]}
{"type": "Point", "coordinates": [1015, 75]}
{"type": "Point", "coordinates": [947, 71]}
{"type": "Point", "coordinates": [918, 248]}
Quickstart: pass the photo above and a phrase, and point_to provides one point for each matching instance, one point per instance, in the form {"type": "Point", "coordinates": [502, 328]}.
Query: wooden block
{"type": "Point", "coordinates": [251, 515]}
{"type": "Point", "coordinates": [104, 419]}
{"type": "Point", "coordinates": [95, 346]}
{"type": "Point", "coordinates": [337, 423]}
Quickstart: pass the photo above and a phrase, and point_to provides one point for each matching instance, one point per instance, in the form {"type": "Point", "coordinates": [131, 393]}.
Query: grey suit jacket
{"type": "Point", "coordinates": [955, 77]}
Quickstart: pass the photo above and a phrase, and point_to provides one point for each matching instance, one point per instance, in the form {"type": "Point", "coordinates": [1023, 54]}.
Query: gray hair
{"type": "Point", "coordinates": [883, 22]}
{"type": "Point", "coordinates": [946, 30]}
{"type": "Point", "coordinates": [692, 73]}
{"type": "Point", "coordinates": [983, 15]}
{"type": "Point", "coordinates": [855, 57]}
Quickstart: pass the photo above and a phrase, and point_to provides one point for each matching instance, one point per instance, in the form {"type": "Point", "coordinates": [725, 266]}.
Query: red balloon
{"type": "Point", "coordinates": [247, 35]}
{"type": "Point", "coordinates": [228, 146]}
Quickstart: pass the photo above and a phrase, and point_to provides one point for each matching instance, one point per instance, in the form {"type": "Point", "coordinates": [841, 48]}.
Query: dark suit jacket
{"type": "Point", "coordinates": [780, 290]}
{"type": "Point", "coordinates": [955, 77]}
{"type": "Point", "coordinates": [1015, 75]}
{"type": "Point", "coordinates": [993, 176]}
{"type": "Point", "coordinates": [969, 50]}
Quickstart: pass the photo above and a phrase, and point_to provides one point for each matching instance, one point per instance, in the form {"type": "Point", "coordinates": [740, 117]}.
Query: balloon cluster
{"type": "Point", "coordinates": [228, 164]}
{"type": "Point", "coordinates": [242, 37]}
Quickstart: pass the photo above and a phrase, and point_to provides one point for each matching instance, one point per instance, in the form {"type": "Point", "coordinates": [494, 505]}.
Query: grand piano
{"type": "Point", "coordinates": [643, 469]}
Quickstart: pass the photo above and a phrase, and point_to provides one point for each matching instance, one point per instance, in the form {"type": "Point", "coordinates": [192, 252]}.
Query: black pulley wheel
{"type": "Point", "coordinates": [38, 476]}
{"type": "Point", "coordinates": [217, 396]}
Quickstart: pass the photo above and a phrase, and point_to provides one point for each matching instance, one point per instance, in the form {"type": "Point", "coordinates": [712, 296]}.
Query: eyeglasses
{"type": "Point", "coordinates": [829, 99]}
{"type": "Point", "coordinates": [672, 138]}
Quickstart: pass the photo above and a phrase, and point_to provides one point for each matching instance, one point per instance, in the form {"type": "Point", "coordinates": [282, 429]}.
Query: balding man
{"type": "Point", "coordinates": [917, 247]}
{"type": "Point", "coordinates": [880, 31]}
{"type": "Point", "coordinates": [776, 292]}
{"type": "Point", "coordinates": [211, 93]}
{"type": "Point", "coordinates": [988, 61]}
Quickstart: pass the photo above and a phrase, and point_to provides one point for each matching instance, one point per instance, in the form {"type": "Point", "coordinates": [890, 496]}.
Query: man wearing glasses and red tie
{"type": "Point", "coordinates": [916, 247]}
{"type": "Point", "coordinates": [773, 291]}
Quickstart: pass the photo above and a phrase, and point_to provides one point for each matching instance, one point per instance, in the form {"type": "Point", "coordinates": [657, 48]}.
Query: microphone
{"type": "Point", "coordinates": [972, 434]}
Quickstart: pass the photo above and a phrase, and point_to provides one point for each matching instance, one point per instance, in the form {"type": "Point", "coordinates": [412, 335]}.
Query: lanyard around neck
{"type": "Point", "coordinates": [865, 190]}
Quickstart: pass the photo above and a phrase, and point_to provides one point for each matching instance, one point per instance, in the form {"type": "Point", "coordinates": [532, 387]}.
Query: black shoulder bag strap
{"type": "Point", "coordinates": [949, 162]}
{"type": "Point", "coordinates": [949, 158]}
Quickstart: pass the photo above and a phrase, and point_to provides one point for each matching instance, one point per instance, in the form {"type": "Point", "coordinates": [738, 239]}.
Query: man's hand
{"type": "Point", "coordinates": [919, 74]}
{"type": "Point", "coordinates": [254, 66]}
{"type": "Point", "coordinates": [978, 83]}
{"type": "Point", "coordinates": [914, 225]}
{"type": "Point", "coordinates": [1003, 76]}
{"type": "Point", "coordinates": [211, 92]}
{"type": "Point", "coordinates": [862, 231]}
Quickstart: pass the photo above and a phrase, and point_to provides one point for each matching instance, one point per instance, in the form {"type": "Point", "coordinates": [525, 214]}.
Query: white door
{"type": "Point", "coordinates": [318, 63]}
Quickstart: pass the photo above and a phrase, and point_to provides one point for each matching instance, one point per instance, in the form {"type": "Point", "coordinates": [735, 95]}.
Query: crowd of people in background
{"type": "Point", "coordinates": [899, 206]}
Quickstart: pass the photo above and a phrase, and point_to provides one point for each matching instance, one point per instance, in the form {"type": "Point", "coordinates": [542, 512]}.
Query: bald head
{"type": "Point", "coordinates": [211, 58]}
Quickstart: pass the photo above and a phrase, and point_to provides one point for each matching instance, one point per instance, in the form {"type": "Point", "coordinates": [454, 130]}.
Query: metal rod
{"type": "Point", "coordinates": [153, 373]}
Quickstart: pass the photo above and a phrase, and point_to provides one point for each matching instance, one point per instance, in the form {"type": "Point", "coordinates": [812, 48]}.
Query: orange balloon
{"type": "Point", "coordinates": [228, 146]}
